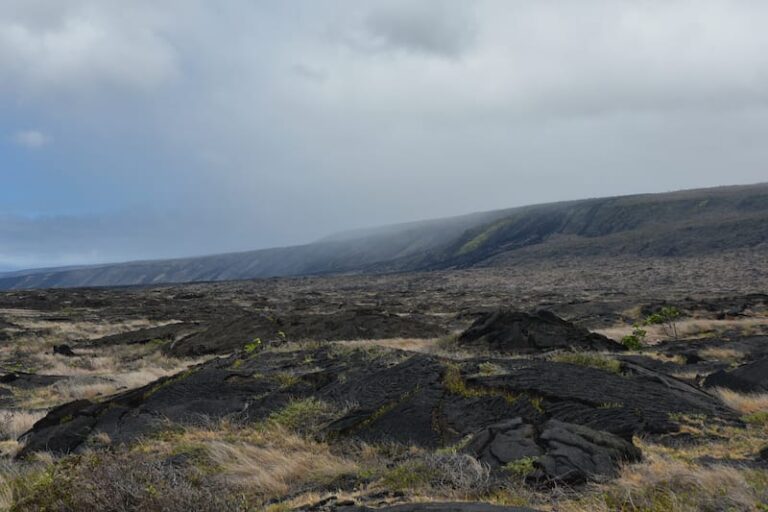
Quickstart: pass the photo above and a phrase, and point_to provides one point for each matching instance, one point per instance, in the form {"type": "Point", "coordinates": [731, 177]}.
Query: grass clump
{"type": "Point", "coordinates": [118, 482]}
{"type": "Point", "coordinates": [521, 468]}
{"type": "Point", "coordinates": [745, 403]}
{"type": "Point", "coordinates": [302, 415]}
{"type": "Point", "coordinates": [440, 472]}
{"type": "Point", "coordinates": [489, 368]}
{"type": "Point", "coordinates": [592, 360]}
{"type": "Point", "coordinates": [757, 419]}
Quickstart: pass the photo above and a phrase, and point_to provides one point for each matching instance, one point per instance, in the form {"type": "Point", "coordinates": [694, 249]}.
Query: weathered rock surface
{"type": "Point", "coordinates": [355, 324]}
{"type": "Point", "coordinates": [558, 451]}
{"type": "Point", "coordinates": [166, 333]}
{"type": "Point", "coordinates": [524, 333]}
{"type": "Point", "coordinates": [397, 396]}
{"type": "Point", "coordinates": [749, 378]}
{"type": "Point", "coordinates": [437, 507]}
{"type": "Point", "coordinates": [24, 380]}
{"type": "Point", "coordinates": [640, 400]}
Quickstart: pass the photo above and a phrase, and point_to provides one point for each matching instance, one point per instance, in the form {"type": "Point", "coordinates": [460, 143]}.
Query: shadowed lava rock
{"type": "Point", "coordinates": [25, 380]}
{"type": "Point", "coordinates": [397, 396]}
{"type": "Point", "coordinates": [559, 451]}
{"type": "Point", "coordinates": [517, 332]}
{"type": "Point", "coordinates": [63, 350]}
{"type": "Point", "coordinates": [749, 378]}
{"type": "Point", "coordinates": [166, 333]}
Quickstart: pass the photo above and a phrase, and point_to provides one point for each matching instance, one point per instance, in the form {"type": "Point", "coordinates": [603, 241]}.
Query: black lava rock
{"type": "Point", "coordinates": [517, 332]}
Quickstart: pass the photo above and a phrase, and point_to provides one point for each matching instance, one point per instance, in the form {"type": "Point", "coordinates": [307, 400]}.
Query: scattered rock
{"type": "Point", "coordinates": [556, 451]}
{"type": "Point", "coordinates": [517, 332]}
{"type": "Point", "coordinates": [63, 350]}
{"type": "Point", "coordinates": [749, 378]}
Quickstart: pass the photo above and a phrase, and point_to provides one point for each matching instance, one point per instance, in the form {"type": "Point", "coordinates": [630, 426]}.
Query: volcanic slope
{"type": "Point", "coordinates": [685, 223]}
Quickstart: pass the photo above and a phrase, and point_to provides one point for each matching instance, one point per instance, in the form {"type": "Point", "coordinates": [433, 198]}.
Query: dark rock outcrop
{"type": "Point", "coordinates": [557, 451]}
{"type": "Point", "coordinates": [749, 378]}
{"type": "Point", "coordinates": [524, 333]}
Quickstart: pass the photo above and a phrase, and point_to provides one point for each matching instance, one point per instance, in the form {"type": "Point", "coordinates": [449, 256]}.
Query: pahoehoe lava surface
{"type": "Point", "coordinates": [524, 333]}
{"type": "Point", "coordinates": [397, 396]}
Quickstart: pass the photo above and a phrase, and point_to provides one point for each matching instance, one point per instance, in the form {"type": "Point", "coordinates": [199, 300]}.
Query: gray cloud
{"type": "Point", "coordinates": [431, 27]}
{"type": "Point", "coordinates": [195, 128]}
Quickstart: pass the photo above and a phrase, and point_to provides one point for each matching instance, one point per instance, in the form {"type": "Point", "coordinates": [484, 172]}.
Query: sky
{"type": "Point", "coordinates": [165, 128]}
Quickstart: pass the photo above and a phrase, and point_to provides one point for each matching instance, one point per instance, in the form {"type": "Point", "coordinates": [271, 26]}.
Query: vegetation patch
{"type": "Point", "coordinates": [589, 359]}
{"type": "Point", "coordinates": [454, 383]}
{"type": "Point", "coordinates": [521, 468]}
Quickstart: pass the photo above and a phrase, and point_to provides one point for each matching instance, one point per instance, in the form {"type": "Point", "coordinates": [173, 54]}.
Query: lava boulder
{"type": "Point", "coordinates": [555, 451]}
{"type": "Point", "coordinates": [749, 378]}
{"type": "Point", "coordinates": [517, 332]}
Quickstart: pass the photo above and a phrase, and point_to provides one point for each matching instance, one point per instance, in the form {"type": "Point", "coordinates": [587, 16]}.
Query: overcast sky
{"type": "Point", "coordinates": [159, 128]}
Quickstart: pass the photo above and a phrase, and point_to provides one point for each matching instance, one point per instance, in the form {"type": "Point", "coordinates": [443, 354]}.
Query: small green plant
{"type": "Point", "coordinates": [666, 316]}
{"type": "Point", "coordinates": [636, 340]}
{"type": "Point", "coordinates": [758, 419]}
{"type": "Point", "coordinates": [521, 468]}
{"type": "Point", "coordinates": [253, 346]}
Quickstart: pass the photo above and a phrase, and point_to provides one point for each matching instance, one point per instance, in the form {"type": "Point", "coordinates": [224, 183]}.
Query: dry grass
{"type": "Point", "coordinates": [13, 423]}
{"type": "Point", "coordinates": [106, 379]}
{"type": "Point", "coordinates": [667, 485]}
{"type": "Point", "coordinates": [265, 460]}
{"type": "Point", "coordinates": [274, 470]}
{"type": "Point", "coordinates": [745, 403]}
{"type": "Point", "coordinates": [409, 344]}
{"type": "Point", "coordinates": [724, 354]}
{"type": "Point", "coordinates": [692, 328]}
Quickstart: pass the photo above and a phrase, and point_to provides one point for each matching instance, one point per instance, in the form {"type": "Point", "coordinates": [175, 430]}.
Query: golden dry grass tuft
{"type": "Point", "coordinates": [273, 470]}
{"type": "Point", "coordinates": [14, 422]}
{"type": "Point", "coordinates": [662, 484]}
{"type": "Point", "coordinates": [724, 354]}
{"type": "Point", "coordinates": [745, 403]}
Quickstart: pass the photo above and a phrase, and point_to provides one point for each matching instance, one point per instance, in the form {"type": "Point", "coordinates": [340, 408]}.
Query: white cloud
{"type": "Point", "coordinates": [83, 44]}
{"type": "Point", "coordinates": [30, 139]}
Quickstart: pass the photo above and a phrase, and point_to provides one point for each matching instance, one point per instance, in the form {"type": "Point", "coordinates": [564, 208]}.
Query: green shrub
{"type": "Point", "coordinates": [666, 316]}
{"type": "Point", "coordinates": [521, 468]}
{"type": "Point", "coordinates": [253, 346]}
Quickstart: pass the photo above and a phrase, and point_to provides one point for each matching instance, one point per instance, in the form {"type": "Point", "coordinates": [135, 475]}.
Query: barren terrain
{"type": "Point", "coordinates": [404, 390]}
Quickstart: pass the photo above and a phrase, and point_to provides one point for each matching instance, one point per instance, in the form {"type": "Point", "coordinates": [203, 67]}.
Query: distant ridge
{"type": "Point", "coordinates": [682, 223]}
